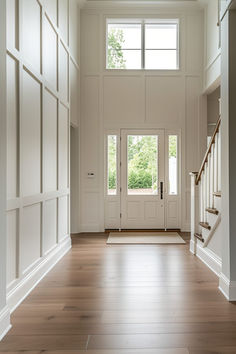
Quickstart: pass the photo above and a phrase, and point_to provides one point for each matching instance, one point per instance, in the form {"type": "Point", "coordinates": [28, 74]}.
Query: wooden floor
{"type": "Point", "coordinates": [123, 299]}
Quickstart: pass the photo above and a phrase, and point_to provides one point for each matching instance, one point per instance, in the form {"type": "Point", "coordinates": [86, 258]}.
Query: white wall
{"type": "Point", "coordinates": [138, 99]}
{"type": "Point", "coordinates": [213, 110]}
{"type": "Point", "coordinates": [41, 82]}
{"type": "Point", "coordinates": [212, 64]}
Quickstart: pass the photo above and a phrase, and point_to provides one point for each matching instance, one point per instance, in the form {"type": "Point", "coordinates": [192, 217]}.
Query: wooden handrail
{"type": "Point", "coordinates": [208, 151]}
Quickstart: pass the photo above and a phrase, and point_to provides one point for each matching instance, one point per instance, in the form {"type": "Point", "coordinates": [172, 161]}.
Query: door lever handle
{"type": "Point", "coordinates": [161, 189]}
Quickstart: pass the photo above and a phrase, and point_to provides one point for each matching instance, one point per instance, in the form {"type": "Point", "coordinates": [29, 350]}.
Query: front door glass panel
{"type": "Point", "coordinates": [142, 165]}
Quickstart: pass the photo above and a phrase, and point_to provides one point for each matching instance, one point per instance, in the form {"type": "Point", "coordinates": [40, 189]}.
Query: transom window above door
{"type": "Point", "coordinates": [142, 44]}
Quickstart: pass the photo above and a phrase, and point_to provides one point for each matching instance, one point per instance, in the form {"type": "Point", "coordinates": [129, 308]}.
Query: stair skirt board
{"type": "Point", "coordinates": [5, 325]}
{"type": "Point", "coordinates": [207, 256]}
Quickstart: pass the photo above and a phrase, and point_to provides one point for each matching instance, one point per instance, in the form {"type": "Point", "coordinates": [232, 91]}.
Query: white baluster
{"type": "Point", "coordinates": [194, 213]}
{"type": "Point", "coordinates": [200, 199]}
{"type": "Point", "coordinates": [212, 179]}
{"type": "Point", "coordinates": [203, 195]}
{"type": "Point", "coordinates": [216, 164]}
{"type": "Point", "coordinates": [219, 160]}
{"type": "Point", "coordinates": [208, 180]}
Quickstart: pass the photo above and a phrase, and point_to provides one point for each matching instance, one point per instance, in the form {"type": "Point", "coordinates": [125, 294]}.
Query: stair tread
{"type": "Point", "coordinates": [199, 237]}
{"type": "Point", "coordinates": [212, 211]}
{"type": "Point", "coordinates": [217, 194]}
{"type": "Point", "coordinates": [205, 225]}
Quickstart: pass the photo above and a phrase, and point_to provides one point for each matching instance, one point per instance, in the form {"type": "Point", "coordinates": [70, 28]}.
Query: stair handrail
{"type": "Point", "coordinates": [199, 175]}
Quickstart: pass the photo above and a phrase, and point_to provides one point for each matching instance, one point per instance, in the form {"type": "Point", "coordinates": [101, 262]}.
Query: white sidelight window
{"type": "Point", "coordinates": [142, 44]}
{"type": "Point", "coordinates": [112, 164]}
{"type": "Point", "coordinates": [173, 164]}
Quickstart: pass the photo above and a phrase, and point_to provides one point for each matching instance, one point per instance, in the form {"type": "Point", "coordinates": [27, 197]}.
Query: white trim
{"type": "Point", "coordinates": [26, 285]}
{"type": "Point", "coordinates": [227, 287]}
{"type": "Point", "coordinates": [5, 324]}
{"type": "Point", "coordinates": [150, 4]}
{"type": "Point", "coordinates": [192, 247]}
{"type": "Point", "coordinates": [209, 258]}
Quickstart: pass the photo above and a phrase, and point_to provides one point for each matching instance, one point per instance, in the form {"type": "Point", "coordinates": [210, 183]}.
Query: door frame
{"type": "Point", "coordinates": [116, 222]}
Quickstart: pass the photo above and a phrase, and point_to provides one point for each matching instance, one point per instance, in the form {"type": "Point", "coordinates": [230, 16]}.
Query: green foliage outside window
{"type": "Point", "coordinates": [112, 162]}
{"type": "Point", "coordinates": [142, 162]}
{"type": "Point", "coordinates": [115, 57]}
{"type": "Point", "coordinates": [173, 146]}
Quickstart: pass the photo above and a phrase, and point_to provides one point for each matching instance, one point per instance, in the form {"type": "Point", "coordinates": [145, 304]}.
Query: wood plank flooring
{"type": "Point", "coordinates": [124, 299]}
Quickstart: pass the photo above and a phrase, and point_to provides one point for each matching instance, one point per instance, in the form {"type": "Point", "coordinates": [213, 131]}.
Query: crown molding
{"type": "Point", "coordinates": [141, 4]}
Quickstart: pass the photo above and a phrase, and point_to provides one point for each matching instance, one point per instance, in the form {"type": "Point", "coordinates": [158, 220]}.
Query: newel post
{"type": "Point", "coordinates": [193, 211]}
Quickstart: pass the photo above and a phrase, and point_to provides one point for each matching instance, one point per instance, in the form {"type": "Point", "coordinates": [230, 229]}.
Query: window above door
{"type": "Point", "coordinates": [151, 44]}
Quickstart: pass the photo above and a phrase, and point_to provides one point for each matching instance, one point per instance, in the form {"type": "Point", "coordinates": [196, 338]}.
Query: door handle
{"type": "Point", "coordinates": [161, 189]}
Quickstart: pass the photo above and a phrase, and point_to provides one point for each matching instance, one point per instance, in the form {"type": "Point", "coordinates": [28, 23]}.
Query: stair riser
{"type": "Point", "coordinates": [211, 218]}
{"type": "Point", "coordinates": [205, 233]}
{"type": "Point", "coordinates": [217, 204]}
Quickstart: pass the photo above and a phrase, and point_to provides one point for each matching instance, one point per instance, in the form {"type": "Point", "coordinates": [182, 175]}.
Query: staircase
{"type": "Point", "coordinates": [206, 205]}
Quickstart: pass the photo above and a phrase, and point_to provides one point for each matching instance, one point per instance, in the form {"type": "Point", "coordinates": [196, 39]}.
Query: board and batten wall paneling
{"type": "Point", "coordinates": [212, 58]}
{"type": "Point", "coordinates": [49, 225]}
{"type": "Point", "coordinates": [31, 33]}
{"type": "Point", "coordinates": [4, 310]}
{"type": "Point", "coordinates": [51, 10]}
{"type": "Point", "coordinates": [50, 53]}
{"type": "Point", "coordinates": [12, 128]}
{"type": "Point", "coordinates": [38, 139]}
{"type": "Point", "coordinates": [50, 142]}
{"type": "Point", "coordinates": [30, 139]}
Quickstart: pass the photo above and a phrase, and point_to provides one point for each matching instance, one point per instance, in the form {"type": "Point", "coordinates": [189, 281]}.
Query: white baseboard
{"type": "Point", "coordinates": [208, 257]}
{"type": "Point", "coordinates": [227, 287]}
{"type": "Point", "coordinates": [26, 285]}
{"type": "Point", "coordinates": [90, 228]}
{"type": "Point", "coordinates": [5, 324]}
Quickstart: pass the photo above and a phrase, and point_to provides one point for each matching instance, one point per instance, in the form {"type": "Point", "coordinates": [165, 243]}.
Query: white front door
{"type": "Point", "coordinates": [142, 179]}
{"type": "Point", "coordinates": [142, 189]}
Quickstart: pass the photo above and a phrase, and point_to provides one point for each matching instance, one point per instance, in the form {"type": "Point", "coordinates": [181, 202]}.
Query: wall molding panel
{"type": "Point", "coordinates": [39, 57]}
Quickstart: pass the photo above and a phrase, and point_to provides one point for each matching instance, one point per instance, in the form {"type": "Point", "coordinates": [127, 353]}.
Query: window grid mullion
{"type": "Point", "coordinates": [143, 45]}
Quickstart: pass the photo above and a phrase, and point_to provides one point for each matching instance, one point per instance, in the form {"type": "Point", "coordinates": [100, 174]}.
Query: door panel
{"type": "Point", "coordinates": [142, 171]}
